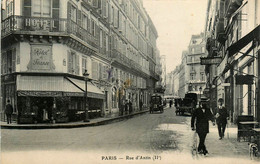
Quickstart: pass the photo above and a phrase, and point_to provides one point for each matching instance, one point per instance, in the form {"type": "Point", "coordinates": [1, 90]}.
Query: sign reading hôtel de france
{"type": "Point", "coordinates": [41, 58]}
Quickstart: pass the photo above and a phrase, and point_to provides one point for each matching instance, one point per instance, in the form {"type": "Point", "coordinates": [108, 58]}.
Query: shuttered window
{"type": "Point", "coordinates": [95, 70]}
{"type": "Point", "coordinates": [41, 8]}
{"type": "Point", "coordinates": [101, 38]}
{"type": "Point", "coordinates": [85, 21]}
{"type": "Point", "coordinates": [27, 7]}
{"type": "Point", "coordinates": [73, 63]}
{"type": "Point", "coordinates": [84, 65]}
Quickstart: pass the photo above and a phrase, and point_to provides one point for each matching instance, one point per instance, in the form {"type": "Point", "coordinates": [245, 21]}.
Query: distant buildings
{"type": "Point", "coordinates": [48, 44]}
{"type": "Point", "coordinates": [190, 73]}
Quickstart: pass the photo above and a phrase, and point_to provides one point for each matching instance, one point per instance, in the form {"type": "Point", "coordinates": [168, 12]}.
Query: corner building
{"type": "Point", "coordinates": [48, 44]}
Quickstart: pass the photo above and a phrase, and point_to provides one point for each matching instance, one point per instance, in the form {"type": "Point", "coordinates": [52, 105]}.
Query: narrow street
{"type": "Point", "coordinates": [150, 133]}
{"type": "Point", "coordinates": [165, 136]}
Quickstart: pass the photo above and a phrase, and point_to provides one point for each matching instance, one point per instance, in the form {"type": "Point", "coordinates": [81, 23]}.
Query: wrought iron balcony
{"type": "Point", "coordinates": [14, 24]}
{"type": "Point", "coordinates": [49, 26]}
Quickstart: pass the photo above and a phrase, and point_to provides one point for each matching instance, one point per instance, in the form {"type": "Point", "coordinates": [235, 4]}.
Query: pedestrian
{"type": "Point", "coordinates": [9, 112]}
{"type": "Point", "coordinates": [202, 115]}
{"type": "Point", "coordinates": [170, 103]}
{"type": "Point", "coordinates": [141, 105]}
{"type": "Point", "coordinates": [221, 118]}
{"type": "Point", "coordinates": [130, 106]}
{"type": "Point", "coordinates": [126, 106]}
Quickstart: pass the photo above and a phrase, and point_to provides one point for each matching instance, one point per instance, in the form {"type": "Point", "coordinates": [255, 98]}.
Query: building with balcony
{"type": "Point", "coordinates": [47, 45]}
{"type": "Point", "coordinates": [191, 73]}
{"type": "Point", "coordinates": [232, 33]}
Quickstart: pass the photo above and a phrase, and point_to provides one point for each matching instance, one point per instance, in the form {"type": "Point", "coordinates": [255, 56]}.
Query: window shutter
{"type": "Point", "coordinates": [79, 17]}
{"type": "Point", "coordinates": [69, 10]}
{"type": "Point", "coordinates": [103, 8]}
{"type": "Point", "coordinates": [14, 60]}
{"type": "Point", "coordinates": [77, 64]}
{"type": "Point", "coordinates": [27, 10]}
{"type": "Point", "coordinates": [96, 31]}
{"type": "Point", "coordinates": [69, 61]}
{"type": "Point", "coordinates": [88, 24]}
{"type": "Point", "coordinates": [56, 13]}
{"type": "Point", "coordinates": [100, 71]}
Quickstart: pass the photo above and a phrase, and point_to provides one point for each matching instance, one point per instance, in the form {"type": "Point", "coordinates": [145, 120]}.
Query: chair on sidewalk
{"type": "Point", "coordinates": [244, 131]}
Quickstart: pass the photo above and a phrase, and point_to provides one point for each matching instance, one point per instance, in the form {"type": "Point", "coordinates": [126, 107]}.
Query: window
{"type": "Point", "coordinates": [202, 77]}
{"type": "Point", "coordinates": [107, 42]}
{"type": "Point", "coordinates": [85, 21]}
{"type": "Point", "coordinates": [192, 76]}
{"type": "Point", "coordinates": [84, 65]}
{"type": "Point", "coordinates": [73, 14]}
{"type": "Point", "coordinates": [73, 62]}
{"type": "Point", "coordinates": [192, 50]}
{"type": "Point", "coordinates": [8, 61]}
{"type": "Point", "coordinates": [95, 70]}
{"type": "Point", "coordinates": [203, 49]}
{"type": "Point", "coordinates": [101, 38]}
{"type": "Point", "coordinates": [9, 8]}
{"type": "Point", "coordinates": [93, 29]}
{"type": "Point", "coordinates": [41, 8]}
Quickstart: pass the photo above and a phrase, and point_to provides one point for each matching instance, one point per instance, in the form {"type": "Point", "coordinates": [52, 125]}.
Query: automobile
{"type": "Point", "coordinates": [156, 103]}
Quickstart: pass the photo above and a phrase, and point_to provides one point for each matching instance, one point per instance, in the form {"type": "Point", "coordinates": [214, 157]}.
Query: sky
{"type": "Point", "coordinates": [176, 21]}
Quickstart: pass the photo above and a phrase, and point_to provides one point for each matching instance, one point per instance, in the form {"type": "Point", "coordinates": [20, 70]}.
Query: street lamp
{"type": "Point", "coordinates": [86, 74]}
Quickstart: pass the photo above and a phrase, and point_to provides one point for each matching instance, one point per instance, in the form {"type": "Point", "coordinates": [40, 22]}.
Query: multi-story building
{"type": "Point", "coordinates": [47, 45]}
{"type": "Point", "coordinates": [192, 74]}
{"type": "Point", "coordinates": [175, 78]}
{"type": "Point", "coordinates": [169, 84]}
{"type": "Point", "coordinates": [233, 32]}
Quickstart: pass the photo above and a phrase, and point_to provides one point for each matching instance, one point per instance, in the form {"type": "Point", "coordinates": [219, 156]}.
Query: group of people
{"type": "Point", "coordinates": [202, 115]}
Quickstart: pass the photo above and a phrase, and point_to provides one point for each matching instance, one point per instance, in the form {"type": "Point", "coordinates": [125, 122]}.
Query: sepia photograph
{"type": "Point", "coordinates": [130, 81]}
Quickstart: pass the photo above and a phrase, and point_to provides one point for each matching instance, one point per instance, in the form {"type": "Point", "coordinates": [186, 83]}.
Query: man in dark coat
{"type": "Point", "coordinates": [170, 103]}
{"type": "Point", "coordinates": [9, 112]}
{"type": "Point", "coordinates": [202, 115]}
{"type": "Point", "coordinates": [221, 118]}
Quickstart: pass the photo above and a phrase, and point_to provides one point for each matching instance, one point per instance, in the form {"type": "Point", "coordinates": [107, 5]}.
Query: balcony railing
{"type": "Point", "coordinates": [21, 23]}
{"type": "Point", "coordinates": [74, 28]}
{"type": "Point", "coordinates": [43, 25]}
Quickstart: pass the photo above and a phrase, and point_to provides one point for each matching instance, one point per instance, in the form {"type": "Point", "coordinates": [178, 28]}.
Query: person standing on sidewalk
{"type": "Point", "coordinates": [202, 115]}
{"type": "Point", "coordinates": [9, 112]}
{"type": "Point", "coordinates": [170, 103]}
{"type": "Point", "coordinates": [221, 118]}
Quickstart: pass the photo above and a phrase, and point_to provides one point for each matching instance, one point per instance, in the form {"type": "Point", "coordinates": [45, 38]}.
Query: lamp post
{"type": "Point", "coordinates": [86, 74]}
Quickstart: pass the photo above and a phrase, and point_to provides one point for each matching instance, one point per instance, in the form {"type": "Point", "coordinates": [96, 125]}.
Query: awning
{"type": "Point", "coordinates": [93, 91]}
{"type": "Point", "coordinates": [54, 86]}
{"type": "Point", "coordinates": [236, 47]}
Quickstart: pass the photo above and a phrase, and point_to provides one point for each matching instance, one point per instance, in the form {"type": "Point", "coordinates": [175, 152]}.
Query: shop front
{"type": "Point", "coordinates": [43, 99]}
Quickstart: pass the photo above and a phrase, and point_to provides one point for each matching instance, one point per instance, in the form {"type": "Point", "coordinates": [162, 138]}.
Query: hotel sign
{"type": "Point", "coordinates": [41, 58]}
{"type": "Point", "coordinates": [210, 60]}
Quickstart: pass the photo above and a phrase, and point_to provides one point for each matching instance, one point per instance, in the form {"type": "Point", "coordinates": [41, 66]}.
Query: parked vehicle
{"type": "Point", "coordinates": [156, 103]}
{"type": "Point", "coordinates": [186, 104]}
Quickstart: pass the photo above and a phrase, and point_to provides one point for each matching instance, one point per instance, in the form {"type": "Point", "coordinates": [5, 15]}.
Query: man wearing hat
{"type": "Point", "coordinates": [202, 115]}
{"type": "Point", "coordinates": [221, 118]}
{"type": "Point", "coordinates": [8, 112]}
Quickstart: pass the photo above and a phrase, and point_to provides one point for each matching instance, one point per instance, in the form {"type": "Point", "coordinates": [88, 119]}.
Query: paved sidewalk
{"type": "Point", "coordinates": [93, 122]}
{"type": "Point", "coordinates": [228, 146]}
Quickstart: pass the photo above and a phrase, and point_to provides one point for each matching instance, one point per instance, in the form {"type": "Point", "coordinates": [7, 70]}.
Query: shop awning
{"type": "Point", "coordinates": [236, 47]}
{"type": "Point", "coordinates": [93, 91]}
{"type": "Point", "coordinates": [53, 86]}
